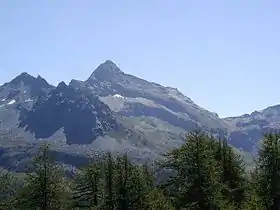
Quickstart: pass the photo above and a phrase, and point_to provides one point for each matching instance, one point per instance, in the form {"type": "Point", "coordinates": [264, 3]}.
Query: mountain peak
{"type": "Point", "coordinates": [82, 116]}
{"type": "Point", "coordinates": [109, 62]}
{"type": "Point", "coordinates": [23, 77]}
{"type": "Point", "coordinates": [61, 85]}
{"type": "Point", "coordinates": [39, 77]}
{"type": "Point", "coordinates": [106, 70]}
{"type": "Point", "coordinates": [29, 80]}
{"type": "Point", "coordinates": [24, 74]}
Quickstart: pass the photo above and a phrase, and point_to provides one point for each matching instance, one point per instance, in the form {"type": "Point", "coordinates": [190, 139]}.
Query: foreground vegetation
{"type": "Point", "coordinates": [204, 173]}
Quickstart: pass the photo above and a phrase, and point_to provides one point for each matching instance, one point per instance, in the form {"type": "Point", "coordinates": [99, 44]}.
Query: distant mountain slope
{"type": "Point", "coordinates": [132, 96]}
{"type": "Point", "coordinates": [21, 92]}
{"type": "Point", "coordinates": [82, 116]}
{"type": "Point", "coordinates": [112, 111]}
{"type": "Point", "coordinates": [248, 129]}
{"type": "Point", "coordinates": [24, 87]}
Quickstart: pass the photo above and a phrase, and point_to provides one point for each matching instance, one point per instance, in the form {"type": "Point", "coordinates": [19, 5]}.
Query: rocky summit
{"type": "Point", "coordinates": [134, 97]}
{"type": "Point", "coordinates": [82, 116]}
{"type": "Point", "coordinates": [112, 111]}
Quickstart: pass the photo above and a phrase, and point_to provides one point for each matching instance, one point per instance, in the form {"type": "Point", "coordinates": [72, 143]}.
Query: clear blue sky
{"type": "Point", "coordinates": [225, 55]}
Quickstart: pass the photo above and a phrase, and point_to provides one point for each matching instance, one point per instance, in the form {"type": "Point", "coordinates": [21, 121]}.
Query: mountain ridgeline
{"type": "Point", "coordinates": [83, 116]}
{"type": "Point", "coordinates": [115, 111]}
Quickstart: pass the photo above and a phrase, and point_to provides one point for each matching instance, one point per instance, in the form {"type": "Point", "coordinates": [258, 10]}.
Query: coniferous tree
{"type": "Point", "coordinates": [45, 187]}
{"type": "Point", "coordinates": [132, 184]}
{"type": "Point", "coordinates": [157, 201]}
{"type": "Point", "coordinates": [123, 170]}
{"type": "Point", "coordinates": [232, 173]}
{"type": "Point", "coordinates": [87, 190]}
{"type": "Point", "coordinates": [114, 183]}
{"type": "Point", "coordinates": [8, 186]}
{"type": "Point", "coordinates": [196, 181]}
{"type": "Point", "coordinates": [149, 175]}
{"type": "Point", "coordinates": [253, 201]}
{"type": "Point", "coordinates": [137, 188]}
{"type": "Point", "coordinates": [267, 173]}
{"type": "Point", "coordinates": [109, 197]}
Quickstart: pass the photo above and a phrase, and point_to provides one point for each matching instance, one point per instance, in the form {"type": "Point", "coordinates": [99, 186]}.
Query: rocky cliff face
{"type": "Point", "coordinates": [132, 96]}
{"type": "Point", "coordinates": [115, 111]}
{"type": "Point", "coordinates": [82, 116]}
{"type": "Point", "coordinates": [248, 129]}
{"type": "Point", "coordinates": [21, 92]}
{"type": "Point", "coordinates": [24, 87]}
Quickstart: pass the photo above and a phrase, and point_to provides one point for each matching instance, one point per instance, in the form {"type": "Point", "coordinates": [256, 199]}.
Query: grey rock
{"type": "Point", "coordinates": [138, 97]}
{"type": "Point", "coordinates": [83, 117]}
{"type": "Point", "coordinates": [111, 111]}
{"type": "Point", "coordinates": [247, 130]}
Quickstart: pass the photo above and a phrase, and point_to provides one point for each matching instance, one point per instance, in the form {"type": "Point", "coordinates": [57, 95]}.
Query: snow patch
{"type": "Point", "coordinates": [118, 96]}
{"type": "Point", "coordinates": [12, 102]}
{"type": "Point", "coordinates": [28, 100]}
{"type": "Point", "coordinates": [3, 99]}
{"type": "Point", "coordinates": [25, 91]}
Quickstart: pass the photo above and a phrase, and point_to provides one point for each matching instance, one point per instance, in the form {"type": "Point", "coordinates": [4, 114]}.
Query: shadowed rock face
{"type": "Point", "coordinates": [83, 117]}
{"type": "Point", "coordinates": [22, 91]}
{"type": "Point", "coordinates": [248, 130]}
{"type": "Point", "coordinates": [146, 118]}
{"type": "Point", "coordinates": [169, 104]}
{"type": "Point", "coordinates": [28, 85]}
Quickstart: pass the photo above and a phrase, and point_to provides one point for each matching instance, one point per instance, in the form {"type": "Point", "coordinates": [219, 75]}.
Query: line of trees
{"type": "Point", "coordinates": [204, 173]}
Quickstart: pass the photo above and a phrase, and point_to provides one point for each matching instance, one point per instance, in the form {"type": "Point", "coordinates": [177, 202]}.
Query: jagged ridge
{"type": "Point", "coordinates": [82, 116]}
